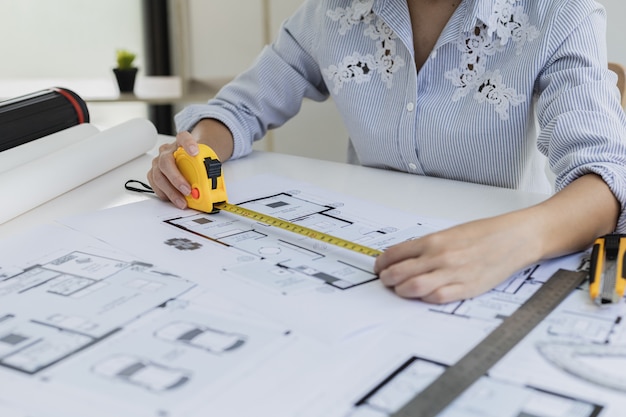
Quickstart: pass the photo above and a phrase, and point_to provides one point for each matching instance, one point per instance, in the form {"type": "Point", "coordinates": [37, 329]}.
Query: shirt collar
{"type": "Point", "coordinates": [477, 11]}
{"type": "Point", "coordinates": [473, 13]}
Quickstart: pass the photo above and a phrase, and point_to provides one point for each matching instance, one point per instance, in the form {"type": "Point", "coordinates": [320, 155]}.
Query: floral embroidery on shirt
{"type": "Point", "coordinates": [495, 92]}
{"type": "Point", "coordinates": [359, 11]}
{"type": "Point", "coordinates": [508, 22]}
{"type": "Point", "coordinates": [474, 48]}
{"type": "Point", "coordinates": [357, 67]}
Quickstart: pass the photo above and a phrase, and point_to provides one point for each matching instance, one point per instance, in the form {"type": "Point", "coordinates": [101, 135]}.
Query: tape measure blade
{"type": "Point", "coordinates": [295, 228]}
{"type": "Point", "coordinates": [477, 362]}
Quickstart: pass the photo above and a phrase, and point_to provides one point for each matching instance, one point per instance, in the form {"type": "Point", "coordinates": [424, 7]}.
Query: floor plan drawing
{"type": "Point", "coordinates": [118, 329]}
{"type": "Point", "coordinates": [487, 397]}
{"type": "Point", "coordinates": [179, 352]}
{"type": "Point", "coordinates": [270, 316]}
{"type": "Point", "coordinates": [82, 298]}
{"type": "Point", "coordinates": [578, 344]}
{"type": "Point", "coordinates": [278, 260]}
{"type": "Point", "coordinates": [276, 270]}
{"type": "Point", "coordinates": [281, 260]}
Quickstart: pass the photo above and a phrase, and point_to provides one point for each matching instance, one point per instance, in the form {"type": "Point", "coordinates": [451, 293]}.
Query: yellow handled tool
{"type": "Point", "coordinates": [607, 280]}
{"type": "Point", "coordinates": [208, 194]}
{"type": "Point", "coordinates": [204, 174]}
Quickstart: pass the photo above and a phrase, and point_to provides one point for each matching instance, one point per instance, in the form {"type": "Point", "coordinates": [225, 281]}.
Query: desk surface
{"type": "Point", "coordinates": [430, 197]}
{"type": "Point", "coordinates": [426, 197]}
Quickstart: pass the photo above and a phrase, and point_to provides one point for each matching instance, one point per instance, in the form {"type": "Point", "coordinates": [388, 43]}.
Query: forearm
{"type": "Point", "coordinates": [216, 135]}
{"type": "Point", "coordinates": [471, 258]}
{"type": "Point", "coordinates": [571, 219]}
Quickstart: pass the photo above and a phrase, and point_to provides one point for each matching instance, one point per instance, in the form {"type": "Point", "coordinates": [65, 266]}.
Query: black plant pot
{"type": "Point", "coordinates": [125, 79]}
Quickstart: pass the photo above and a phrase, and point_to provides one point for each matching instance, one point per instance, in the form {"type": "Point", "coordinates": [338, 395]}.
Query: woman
{"type": "Point", "coordinates": [447, 88]}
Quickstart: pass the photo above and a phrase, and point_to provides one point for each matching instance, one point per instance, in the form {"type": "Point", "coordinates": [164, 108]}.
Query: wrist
{"type": "Point", "coordinates": [216, 135]}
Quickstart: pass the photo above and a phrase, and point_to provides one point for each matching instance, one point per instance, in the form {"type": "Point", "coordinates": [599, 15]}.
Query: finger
{"type": "Point", "coordinates": [449, 293]}
{"type": "Point", "coordinates": [397, 253]}
{"type": "Point", "coordinates": [425, 284]}
{"type": "Point", "coordinates": [456, 286]}
{"type": "Point", "coordinates": [404, 270]}
{"type": "Point", "coordinates": [188, 143]}
{"type": "Point", "coordinates": [163, 186]}
{"type": "Point", "coordinates": [156, 184]}
{"type": "Point", "coordinates": [166, 191]}
{"type": "Point", "coordinates": [166, 164]}
{"type": "Point", "coordinates": [418, 286]}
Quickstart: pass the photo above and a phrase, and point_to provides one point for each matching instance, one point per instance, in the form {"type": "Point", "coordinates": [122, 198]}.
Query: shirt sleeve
{"type": "Point", "coordinates": [271, 92]}
{"type": "Point", "coordinates": [583, 126]}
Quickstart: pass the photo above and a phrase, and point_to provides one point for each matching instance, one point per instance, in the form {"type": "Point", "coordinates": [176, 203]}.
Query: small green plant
{"type": "Point", "coordinates": [125, 59]}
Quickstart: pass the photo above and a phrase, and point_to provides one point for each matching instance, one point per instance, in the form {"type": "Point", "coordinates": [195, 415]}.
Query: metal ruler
{"type": "Point", "coordinates": [475, 364]}
{"type": "Point", "coordinates": [295, 228]}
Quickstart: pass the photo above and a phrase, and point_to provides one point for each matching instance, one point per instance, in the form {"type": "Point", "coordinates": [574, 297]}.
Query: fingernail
{"type": "Point", "coordinates": [193, 149]}
{"type": "Point", "coordinates": [184, 189]}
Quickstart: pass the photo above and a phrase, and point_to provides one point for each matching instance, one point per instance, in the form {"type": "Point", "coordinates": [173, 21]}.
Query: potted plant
{"type": "Point", "coordinates": [125, 72]}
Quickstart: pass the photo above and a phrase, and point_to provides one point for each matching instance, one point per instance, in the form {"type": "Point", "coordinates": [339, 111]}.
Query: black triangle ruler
{"type": "Point", "coordinates": [475, 364]}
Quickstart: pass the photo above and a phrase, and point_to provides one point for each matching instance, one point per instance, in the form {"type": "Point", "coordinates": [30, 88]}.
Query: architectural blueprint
{"type": "Point", "coordinates": [84, 318]}
{"type": "Point", "coordinates": [247, 260]}
{"type": "Point", "coordinates": [148, 310]}
{"type": "Point", "coordinates": [487, 397]}
{"type": "Point", "coordinates": [570, 365]}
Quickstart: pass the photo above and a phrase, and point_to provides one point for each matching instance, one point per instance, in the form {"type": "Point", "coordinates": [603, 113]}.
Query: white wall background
{"type": "Point", "coordinates": [66, 38]}
{"type": "Point", "coordinates": [71, 39]}
{"type": "Point", "coordinates": [616, 29]}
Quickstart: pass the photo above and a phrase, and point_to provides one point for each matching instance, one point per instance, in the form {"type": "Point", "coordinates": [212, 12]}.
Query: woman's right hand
{"type": "Point", "coordinates": [165, 178]}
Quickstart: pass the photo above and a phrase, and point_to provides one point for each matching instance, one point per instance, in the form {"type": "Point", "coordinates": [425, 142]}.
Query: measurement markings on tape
{"type": "Point", "coordinates": [208, 194]}
{"type": "Point", "coordinates": [475, 364]}
{"type": "Point", "coordinates": [295, 228]}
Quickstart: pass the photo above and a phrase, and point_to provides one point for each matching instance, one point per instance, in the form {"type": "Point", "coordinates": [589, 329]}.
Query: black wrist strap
{"type": "Point", "coordinates": [141, 187]}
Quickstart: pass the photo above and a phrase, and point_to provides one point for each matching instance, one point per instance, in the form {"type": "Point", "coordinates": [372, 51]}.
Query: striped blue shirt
{"type": "Point", "coordinates": [508, 84]}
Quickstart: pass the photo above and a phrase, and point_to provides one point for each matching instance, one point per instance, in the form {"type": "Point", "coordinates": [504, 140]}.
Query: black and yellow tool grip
{"type": "Point", "coordinates": [204, 174]}
{"type": "Point", "coordinates": [607, 277]}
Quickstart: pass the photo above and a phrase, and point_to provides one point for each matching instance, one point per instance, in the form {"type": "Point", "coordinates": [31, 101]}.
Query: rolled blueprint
{"type": "Point", "coordinates": [33, 183]}
{"type": "Point", "coordinates": [35, 149]}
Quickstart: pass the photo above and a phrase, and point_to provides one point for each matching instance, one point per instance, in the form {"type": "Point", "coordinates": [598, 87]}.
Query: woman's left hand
{"type": "Point", "coordinates": [469, 259]}
{"type": "Point", "coordinates": [460, 262]}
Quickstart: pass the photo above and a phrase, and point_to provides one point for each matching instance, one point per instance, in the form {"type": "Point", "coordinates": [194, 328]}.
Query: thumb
{"type": "Point", "coordinates": [188, 143]}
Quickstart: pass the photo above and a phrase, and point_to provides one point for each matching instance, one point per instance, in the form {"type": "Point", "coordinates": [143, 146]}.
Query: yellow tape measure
{"type": "Point", "coordinates": [296, 228]}
{"type": "Point", "coordinates": [208, 194]}
{"type": "Point", "coordinates": [607, 273]}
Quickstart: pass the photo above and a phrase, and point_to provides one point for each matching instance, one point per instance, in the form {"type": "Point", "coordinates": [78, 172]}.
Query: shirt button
{"type": "Point", "coordinates": [412, 166]}
{"type": "Point", "coordinates": [410, 106]}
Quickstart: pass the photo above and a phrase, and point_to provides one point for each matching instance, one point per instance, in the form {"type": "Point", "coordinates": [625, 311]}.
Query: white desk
{"type": "Point", "coordinates": [427, 197]}
{"type": "Point", "coordinates": [424, 196]}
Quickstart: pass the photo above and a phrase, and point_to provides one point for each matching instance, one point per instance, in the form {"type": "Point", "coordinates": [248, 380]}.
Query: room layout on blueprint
{"type": "Point", "coordinates": [272, 269]}
{"type": "Point", "coordinates": [86, 329]}
{"type": "Point", "coordinates": [330, 295]}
